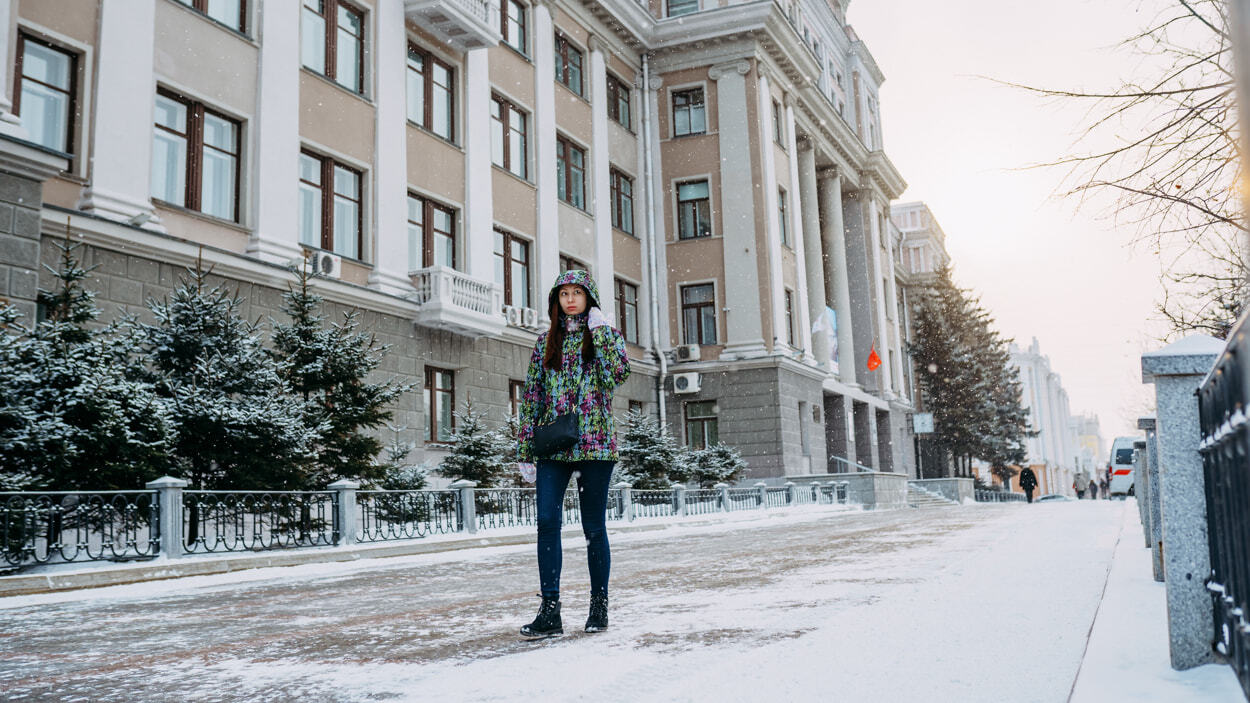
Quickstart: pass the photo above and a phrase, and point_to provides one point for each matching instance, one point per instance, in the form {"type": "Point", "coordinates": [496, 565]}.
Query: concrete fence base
{"type": "Point", "coordinates": [875, 490]}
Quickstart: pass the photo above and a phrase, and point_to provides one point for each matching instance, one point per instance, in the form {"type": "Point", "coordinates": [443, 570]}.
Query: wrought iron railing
{"type": "Point", "coordinates": [247, 521]}
{"type": "Point", "coordinates": [616, 505]}
{"type": "Point", "coordinates": [70, 526]}
{"type": "Point", "coordinates": [505, 507]}
{"type": "Point", "coordinates": [702, 501]}
{"type": "Point", "coordinates": [391, 515]}
{"type": "Point", "coordinates": [655, 503]}
{"type": "Point", "coordinates": [983, 496]}
{"type": "Point", "coordinates": [743, 499]}
{"type": "Point", "coordinates": [1225, 450]}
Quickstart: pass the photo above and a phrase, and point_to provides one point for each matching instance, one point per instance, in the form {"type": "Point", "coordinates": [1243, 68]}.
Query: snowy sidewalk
{"type": "Point", "coordinates": [973, 603]}
{"type": "Point", "coordinates": [1127, 658]}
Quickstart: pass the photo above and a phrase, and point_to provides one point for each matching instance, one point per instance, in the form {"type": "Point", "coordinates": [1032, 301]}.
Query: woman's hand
{"type": "Point", "coordinates": [596, 319]}
{"type": "Point", "coordinates": [529, 472]}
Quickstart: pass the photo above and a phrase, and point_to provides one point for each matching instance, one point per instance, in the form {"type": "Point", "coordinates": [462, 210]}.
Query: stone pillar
{"type": "Point", "coordinates": [724, 495]}
{"type": "Point", "coordinates": [390, 155]}
{"type": "Point", "coordinates": [1141, 488]}
{"type": "Point", "coordinates": [1176, 371]}
{"type": "Point", "coordinates": [679, 499]}
{"type": "Point", "coordinates": [10, 124]}
{"type": "Point", "coordinates": [1151, 480]}
{"type": "Point", "coordinates": [763, 490]}
{"type": "Point", "coordinates": [120, 185]}
{"type": "Point", "coordinates": [468, 504]}
{"type": "Point", "coordinates": [775, 300]}
{"type": "Point", "coordinates": [169, 498]}
{"type": "Point", "coordinates": [859, 271]}
{"type": "Point", "coordinates": [744, 319]}
{"type": "Point", "coordinates": [600, 189]}
{"type": "Point", "coordinates": [813, 267]}
{"type": "Point", "coordinates": [548, 235]}
{"type": "Point", "coordinates": [346, 512]}
{"type": "Point", "coordinates": [276, 137]}
{"type": "Point", "coordinates": [627, 500]}
{"type": "Point", "coordinates": [837, 284]}
{"type": "Point", "coordinates": [790, 494]}
{"type": "Point", "coordinates": [798, 225]}
{"type": "Point", "coordinates": [654, 219]}
{"type": "Point", "coordinates": [882, 273]}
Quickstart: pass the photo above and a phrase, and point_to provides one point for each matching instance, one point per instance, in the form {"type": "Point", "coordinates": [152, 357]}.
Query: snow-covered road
{"type": "Point", "coordinates": [976, 603]}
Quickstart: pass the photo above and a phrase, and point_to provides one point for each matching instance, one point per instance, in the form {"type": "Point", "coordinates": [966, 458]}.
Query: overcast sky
{"type": "Point", "coordinates": [1043, 267]}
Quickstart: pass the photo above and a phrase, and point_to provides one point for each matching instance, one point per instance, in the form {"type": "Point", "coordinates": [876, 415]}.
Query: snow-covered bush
{"type": "Point", "coordinates": [649, 456]}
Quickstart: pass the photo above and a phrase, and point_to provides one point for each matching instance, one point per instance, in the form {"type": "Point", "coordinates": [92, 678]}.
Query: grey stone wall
{"type": "Point", "coordinates": [483, 367]}
{"type": "Point", "coordinates": [20, 202]}
{"type": "Point", "coordinates": [758, 414]}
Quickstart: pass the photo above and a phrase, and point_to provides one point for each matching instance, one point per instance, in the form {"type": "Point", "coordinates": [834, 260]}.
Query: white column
{"type": "Point", "coordinates": [479, 208]}
{"type": "Point", "coordinates": [803, 335]}
{"type": "Point", "coordinates": [9, 123]}
{"type": "Point", "coordinates": [772, 223]}
{"type": "Point", "coordinates": [390, 154]}
{"type": "Point", "coordinates": [276, 137]}
{"type": "Point", "coordinates": [548, 234]}
{"type": "Point", "coordinates": [880, 274]}
{"type": "Point", "coordinates": [121, 129]}
{"type": "Point", "coordinates": [813, 253]}
{"type": "Point", "coordinates": [605, 264]}
{"type": "Point", "coordinates": [744, 333]}
{"type": "Point", "coordinates": [834, 241]}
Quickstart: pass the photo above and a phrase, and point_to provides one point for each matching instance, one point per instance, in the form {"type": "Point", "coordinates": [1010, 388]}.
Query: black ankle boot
{"type": "Point", "coordinates": [598, 620]}
{"type": "Point", "coordinates": [547, 624]}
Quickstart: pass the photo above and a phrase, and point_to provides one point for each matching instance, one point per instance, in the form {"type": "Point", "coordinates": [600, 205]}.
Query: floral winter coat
{"type": "Point", "coordinates": [582, 388]}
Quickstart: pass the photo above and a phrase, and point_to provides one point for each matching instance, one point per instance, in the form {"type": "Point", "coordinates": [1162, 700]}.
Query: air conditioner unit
{"type": "Point", "coordinates": [327, 264]}
{"type": "Point", "coordinates": [512, 315]}
{"type": "Point", "coordinates": [686, 382]}
{"type": "Point", "coordinates": [529, 318]}
{"type": "Point", "coordinates": [688, 352]}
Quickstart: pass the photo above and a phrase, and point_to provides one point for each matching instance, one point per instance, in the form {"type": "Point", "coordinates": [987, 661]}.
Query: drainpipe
{"type": "Point", "coordinates": [653, 266]}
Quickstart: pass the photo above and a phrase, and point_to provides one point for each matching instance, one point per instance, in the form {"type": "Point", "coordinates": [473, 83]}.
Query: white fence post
{"type": "Point", "coordinates": [679, 499]}
{"type": "Point", "coordinates": [169, 498]}
{"type": "Point", "coordinates": [627, 500]}
{"type": "Point", "coordinates": [468, 505]}
{"type": "Point", "coordinates": [346, 490]}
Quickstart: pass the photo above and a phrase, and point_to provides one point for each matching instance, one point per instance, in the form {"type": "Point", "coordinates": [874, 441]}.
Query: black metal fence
{"type": "Point", "coordinates": [70, 526]}
{"type": "Point", "coordinates": [983, 496]}
{"type": "Point", "coordinates": [251, 521]}
{"type": "Point", "coordinates": [1225, 450]}
{"type": "Point", "coordinates": [391, 515]}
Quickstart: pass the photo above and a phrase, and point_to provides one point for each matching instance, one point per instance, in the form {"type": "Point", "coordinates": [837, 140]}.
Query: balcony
{"type": "Point", "coordinates": [452, 301]}
{"type": "Point", "coordinates": [464, 24]}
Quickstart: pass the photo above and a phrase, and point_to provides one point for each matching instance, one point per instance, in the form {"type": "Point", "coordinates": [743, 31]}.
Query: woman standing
{"type": "Point", "coordinates": [575, 368]}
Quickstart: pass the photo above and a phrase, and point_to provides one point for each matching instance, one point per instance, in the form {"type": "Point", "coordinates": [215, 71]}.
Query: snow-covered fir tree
{"type": "Point", "coordinates": [719, 463]}
{"type": "Point", "coordinates": [329, 366]}
{"type": "Point", "coordinates": [73, 414]}
{"type": "Point", "coordinates": [649, 457]}
{"type": "Point", "coordinates": [396, 473]}
{"type": "Point", "coordinates": [238, 424]}
{"type": "Point", "coordinates": [477, 451]}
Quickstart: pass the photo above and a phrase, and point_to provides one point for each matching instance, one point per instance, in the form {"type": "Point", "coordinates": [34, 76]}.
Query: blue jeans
{"type": "Point", "coordinates": [592, 490]}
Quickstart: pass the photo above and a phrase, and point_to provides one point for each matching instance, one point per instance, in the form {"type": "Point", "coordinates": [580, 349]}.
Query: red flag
{"type": "Point", "coordinates": [874, 361]}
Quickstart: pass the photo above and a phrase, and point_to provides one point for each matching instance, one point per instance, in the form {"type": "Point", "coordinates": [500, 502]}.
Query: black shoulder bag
{"type": "Point", "coordinates": [555, 436]}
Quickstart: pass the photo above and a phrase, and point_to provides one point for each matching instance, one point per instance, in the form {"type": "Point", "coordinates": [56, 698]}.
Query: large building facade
{"type": "Point", "coordinates": [718, 167]}
{"type": "Point", "coordinates": [1054, 452]}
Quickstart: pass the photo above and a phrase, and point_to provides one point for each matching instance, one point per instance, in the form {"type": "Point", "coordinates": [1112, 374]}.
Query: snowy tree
{"type": "Point", "coordinates": [719, 463]}
{"type": "Point", "coordinates": [73, 414]}
{"type": "Point", "coordinates": [239, 426]}
{"type": "Point", "coordinates": [477, 452]}
{"type": "Point", "coordinates": [329, 367]}
{"type": "Point", "coordinates": [397, 473]}
{"type": "Point", "coordinates": [966, 380]}
{"type": "Point", "coordinates": [649, 457]}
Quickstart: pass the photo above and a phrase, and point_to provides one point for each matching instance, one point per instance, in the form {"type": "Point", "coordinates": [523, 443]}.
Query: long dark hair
{"type": "Point", "coordinates": [555, 334]}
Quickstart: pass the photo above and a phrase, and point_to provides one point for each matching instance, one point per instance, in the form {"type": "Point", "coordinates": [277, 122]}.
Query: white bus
{"type": "Point", "coordinates": [1122, 466]}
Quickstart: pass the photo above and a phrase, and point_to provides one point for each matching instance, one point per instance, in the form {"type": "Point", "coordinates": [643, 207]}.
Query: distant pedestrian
{"type": "Point", "coordinates": [566, 427]}
{"type": "Point", "coordinates": [1028, 481]}
{"type": "Point", "coordinates": [1093, 490]}
{"type": "Point", "coordinates": [1080, 484]}
{"type": "Point", "coordinates": [1105, 486]}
